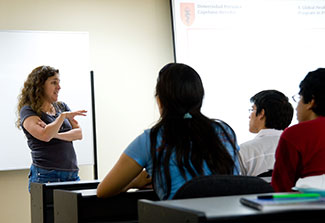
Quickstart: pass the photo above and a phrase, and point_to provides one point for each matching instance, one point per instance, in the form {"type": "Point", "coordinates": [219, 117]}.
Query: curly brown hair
{"type": "Point", "coordinates": [33, 90]}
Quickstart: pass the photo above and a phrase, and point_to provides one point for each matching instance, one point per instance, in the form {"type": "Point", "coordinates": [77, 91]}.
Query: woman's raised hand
{"type": "Point", "coordinates": [71, 114]}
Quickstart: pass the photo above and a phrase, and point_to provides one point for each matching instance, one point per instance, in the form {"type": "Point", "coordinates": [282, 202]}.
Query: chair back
{"type": "Point", "coordinates": [222, 185]}
{"type": "Point", "coordinates": [266, 174]}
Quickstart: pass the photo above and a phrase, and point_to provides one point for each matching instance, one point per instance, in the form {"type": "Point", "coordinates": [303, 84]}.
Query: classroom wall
{"type": "Point", "coordinates": [129, 42]}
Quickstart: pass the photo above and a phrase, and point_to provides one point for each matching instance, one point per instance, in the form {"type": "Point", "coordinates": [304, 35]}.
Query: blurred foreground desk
{"type": "Point", "coordinates": [42, 197]}
{"type": "Point", "coordinates": [85, 206]}
{"type": "Point", "coordinates": [220, 209]}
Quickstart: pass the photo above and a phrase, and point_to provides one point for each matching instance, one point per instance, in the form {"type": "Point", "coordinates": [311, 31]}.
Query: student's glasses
{"type": "Point", "coordinates": [250, 110]}
{"type": "Point", "coordinates": [296, 97]}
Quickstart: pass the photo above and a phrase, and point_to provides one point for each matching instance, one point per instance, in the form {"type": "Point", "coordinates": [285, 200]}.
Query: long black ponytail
{"type": "Point", "coordinates": [184, 129]}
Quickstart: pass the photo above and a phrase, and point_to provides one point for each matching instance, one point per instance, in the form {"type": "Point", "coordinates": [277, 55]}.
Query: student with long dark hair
{"type": "Point", "coordinates": [183, 144]}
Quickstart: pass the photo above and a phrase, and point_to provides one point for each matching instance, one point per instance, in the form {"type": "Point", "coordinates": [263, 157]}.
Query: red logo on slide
{"type": "Point", "coordinates": [187, 13]}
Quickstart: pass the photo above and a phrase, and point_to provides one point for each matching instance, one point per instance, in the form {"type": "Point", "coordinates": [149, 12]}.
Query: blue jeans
{"type": "Point", "coordinates": [40, 175]}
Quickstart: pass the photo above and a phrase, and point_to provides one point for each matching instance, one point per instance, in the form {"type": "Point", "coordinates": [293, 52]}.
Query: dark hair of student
{"type": "Point", "coordinates": [313, 87]}
{"type": "Point", "coordinates": [194, 140]}
{"type": "Point", "coordinates": [33, 90]}
{"type": "Point", "coordinates": [277, 108]}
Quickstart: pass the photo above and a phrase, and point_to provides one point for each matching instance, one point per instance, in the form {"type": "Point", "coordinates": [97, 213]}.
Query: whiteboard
{"type": "Point", "coordinates": [20, 53]}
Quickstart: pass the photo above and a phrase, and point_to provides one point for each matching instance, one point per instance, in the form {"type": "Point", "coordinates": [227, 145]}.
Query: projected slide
{"type": "Point", "coordinates": [241, 47]}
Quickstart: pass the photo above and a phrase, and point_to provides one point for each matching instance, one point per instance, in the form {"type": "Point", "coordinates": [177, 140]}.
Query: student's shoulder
{"type": "Point", "coordinates": [223, 127]}
{"type": "Point", "coordinates": [146, 132]}
{"type": "Point", "coordinates": [297, 132]}
{"type": "Point", "coordinates": [248, 144]}
{"type": "Point", "coordinates": [296, 129]}
{"type": "Point", "coordinates": [219, 124]}
{"type": "Point", "coordinates": [144, 136]}
{"type": "Point", "coordinates": [140, 143]}
{"type": "Point", "coordinates": [251, 147]}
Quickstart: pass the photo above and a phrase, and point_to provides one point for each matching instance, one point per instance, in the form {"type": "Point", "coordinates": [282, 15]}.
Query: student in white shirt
{"type": "Point", "coordinates": [270, 114]}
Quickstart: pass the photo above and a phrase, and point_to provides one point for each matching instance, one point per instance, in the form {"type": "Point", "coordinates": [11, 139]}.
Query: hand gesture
{"type": "Point", "coordinates": [70, 115]}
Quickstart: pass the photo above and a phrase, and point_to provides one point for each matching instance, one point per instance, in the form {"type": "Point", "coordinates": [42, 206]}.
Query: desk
{"type": "Point", "coordinates": [42, 197]}
{"type": "Point", "coordinates": [219, 209]}
{"type": "Point", "coordinates": [85, 206]}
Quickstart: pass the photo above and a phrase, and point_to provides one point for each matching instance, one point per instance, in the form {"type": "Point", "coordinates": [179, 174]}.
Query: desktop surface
{"type": "Point", "coordinates": [223, 209]}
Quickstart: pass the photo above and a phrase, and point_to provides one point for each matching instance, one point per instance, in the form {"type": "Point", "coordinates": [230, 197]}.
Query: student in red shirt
{"type": "Point", "coordinates": [301, 149]}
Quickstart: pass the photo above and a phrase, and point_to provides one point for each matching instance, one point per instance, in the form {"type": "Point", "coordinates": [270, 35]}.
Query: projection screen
{"type": "Point", "coordinates": [240, 47]}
